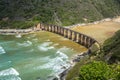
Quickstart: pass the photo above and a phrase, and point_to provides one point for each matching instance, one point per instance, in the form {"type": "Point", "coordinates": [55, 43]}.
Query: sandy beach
{"type": "Point", "coordinates": [100, 31]}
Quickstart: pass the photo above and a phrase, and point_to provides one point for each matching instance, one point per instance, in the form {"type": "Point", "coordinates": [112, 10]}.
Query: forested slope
{"type": "Point", "coordinates": [60, 12]}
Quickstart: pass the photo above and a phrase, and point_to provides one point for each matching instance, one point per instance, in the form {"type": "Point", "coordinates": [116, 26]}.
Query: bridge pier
{"type": "Point", "coordinates": [80, 39]}
{"type": "Point", "coordinates": [59, 30]}
{"type": "Point", "coordinates": [84, 40]}
{"type": "Point", "coordinates": [75, 36]}
{"type": "Point", "coordinates": [46, 27]}
{"type": "Point", "coordinates": [50, 28]}
{"type": "Point", "coordinates": [91, 42]}
{"type": "Point", "coordinates": [70, 34]}
{"type": "Point", "coordinates": [56, 29]}
{"type": "Point", "coordinates": [87, 41]}
{"type": "Point", "coordinates": [66, 33]}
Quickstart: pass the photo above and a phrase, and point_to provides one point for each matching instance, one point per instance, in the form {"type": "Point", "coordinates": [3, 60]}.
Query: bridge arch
{"type": "Point", "coordinates": [77, 37]}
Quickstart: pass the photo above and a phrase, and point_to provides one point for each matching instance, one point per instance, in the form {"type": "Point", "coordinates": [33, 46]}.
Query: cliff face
{"type": "Point", "coordinates": [60, 12]}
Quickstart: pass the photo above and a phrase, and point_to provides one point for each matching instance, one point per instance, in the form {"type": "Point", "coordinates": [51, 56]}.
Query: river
{"type": "Point", "coordinates": [35, 56]}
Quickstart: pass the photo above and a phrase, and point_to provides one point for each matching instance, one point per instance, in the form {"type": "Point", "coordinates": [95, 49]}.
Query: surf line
{"type": "Point", "coordinates": [77, 37]}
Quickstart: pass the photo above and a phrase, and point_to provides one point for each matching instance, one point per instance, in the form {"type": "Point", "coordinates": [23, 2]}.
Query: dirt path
{"type": "Point", "coordinates": [100, 31]}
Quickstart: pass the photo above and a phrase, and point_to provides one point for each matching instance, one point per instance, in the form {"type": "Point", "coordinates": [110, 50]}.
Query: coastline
{"type": "Point", "coordinates": [19, 31]}
{"type": "Point", "coordinates": [115, 19]}
{"type": "Point", "coordinates": [73, 62]}
{"type": "Point", "coordinates": [85, 24]}
{"type": "Point", "coordinates": [36, 28]}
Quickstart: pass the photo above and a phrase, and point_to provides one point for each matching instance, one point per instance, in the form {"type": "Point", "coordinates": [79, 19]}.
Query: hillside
{"type": "Point", "coordinates": [112, 48]}
{"type": "Point", "coordinates": [101, 66]}
{"type": "Point", "coordinates": [26, 13]}
{"type": "Point", "coordinates": [100, 30]}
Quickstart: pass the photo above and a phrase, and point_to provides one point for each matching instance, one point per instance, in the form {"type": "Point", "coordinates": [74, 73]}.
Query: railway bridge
{"type": "Point", "coordinates": [77, 37]}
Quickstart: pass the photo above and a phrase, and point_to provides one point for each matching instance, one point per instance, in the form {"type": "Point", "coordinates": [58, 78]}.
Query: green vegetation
{"type": "Point", "coordinates": [17, 24]}
{"type": "Point", "coordinates": [97, 70]}
{"type": "Point", "coordinates": [60, 12]}
{"type": "Point", "coordinates": [112, 47]}
{"type": "Point", "coordinates": [104, 66]}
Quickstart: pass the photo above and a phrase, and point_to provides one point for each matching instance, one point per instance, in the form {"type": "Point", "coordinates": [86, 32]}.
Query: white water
{"type": "Point", "coordinates": [18, 36]}
{"type": "Point", "coordinates": [45, 46]}
{"type": "Point", "coordinates": [57, 64]}
{"type": "Point", "coordinates": [9, 74]}
{"type": "Point", "coordinates": [35, 58]}
{"type": "Point", "coordinates": [2, 51]}
{"type": "Point", "coordinates": [25, 43]}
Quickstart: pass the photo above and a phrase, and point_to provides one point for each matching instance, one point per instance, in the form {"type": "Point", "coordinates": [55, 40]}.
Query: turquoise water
{"type": "Point", "coordinates": [37, 56]}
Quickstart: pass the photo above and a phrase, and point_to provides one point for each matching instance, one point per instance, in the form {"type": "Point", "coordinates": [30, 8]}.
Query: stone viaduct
{"type": "Point", "coordinates": [77, 37]}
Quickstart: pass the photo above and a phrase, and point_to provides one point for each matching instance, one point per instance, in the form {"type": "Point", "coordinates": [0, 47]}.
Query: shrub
{"type": "Point", "coordinates": [97, 70]}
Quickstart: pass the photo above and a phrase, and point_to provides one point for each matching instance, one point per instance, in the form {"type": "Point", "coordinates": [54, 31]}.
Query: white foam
{"type": "Point", "coordinates": [10, 71]}
{"type": "Point", "coordinates": [62, 55]}
{"type": "Point", "coordinates": [57, 64]}
{"type": "Point", "coordinates": [18, 36]}
{"type": "Point", "coordinates": [45, 46]}
{"type": "Point", "coordinates": [2, 51]}
{"type": "Point", "coordinates": [9, 74]}
{"type": "Point", "coordinates": [25, 43]}
{"type": "Point", "coordinates": [46, 43]}
{"type": "Point", "coordinates": [64, 49]}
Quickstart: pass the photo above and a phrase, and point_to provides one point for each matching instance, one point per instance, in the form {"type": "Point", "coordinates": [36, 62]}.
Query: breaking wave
{"type": "Point", "coordinates": [18, 36]}
{"type": "Point", "coordinates": [25, 43]}
{"type": "Point", "coordinates": [2, 51]}
{"type": "Point", "coordinates": [45, 46]}
{"type": "Point", "coordinates": [57, 64]}
{"type": "Point", "coordinates": [9, 74]}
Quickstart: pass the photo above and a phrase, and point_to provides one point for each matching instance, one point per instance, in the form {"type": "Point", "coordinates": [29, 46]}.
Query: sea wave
{"type": "Point", "coordinates": [45, 46]}
{"type": "Point", "coordinates": [31, 36]}
{"type": "Point", "coordinates": [25, 43]}
{"type": "Point", "coordinates": [65, 49]}
{"type": "Point", "coordinates": [9, 74]}
{"type": "Point", "coordinates": [2, 51]}
{"type": "Point", "coordinates": [62, 55]}
{"type": "Point", "coordinates": [57, 64]}
{"type": "Point", "coordinates": [18, 36]}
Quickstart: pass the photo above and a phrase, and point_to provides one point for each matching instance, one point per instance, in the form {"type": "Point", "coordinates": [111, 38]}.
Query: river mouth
{"type": "Point", "coordinates": [36, 56]}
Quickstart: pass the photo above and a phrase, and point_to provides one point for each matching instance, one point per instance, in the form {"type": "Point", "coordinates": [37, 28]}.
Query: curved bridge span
{"type": "Point", "coordinates": [77, 37]}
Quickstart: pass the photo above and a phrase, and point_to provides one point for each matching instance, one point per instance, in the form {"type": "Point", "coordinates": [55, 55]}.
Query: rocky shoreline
{"type": "Point", "coordinates": [75, 60]}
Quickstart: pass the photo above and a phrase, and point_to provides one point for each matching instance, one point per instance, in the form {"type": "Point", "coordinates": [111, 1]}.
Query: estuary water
{"type": "Point", "coordinates": [35, 56]}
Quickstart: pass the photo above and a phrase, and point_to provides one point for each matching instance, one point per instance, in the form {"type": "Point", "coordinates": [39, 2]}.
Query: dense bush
{"type": "Point", "coordinates": [97, 71]}
{"type": "Point", "coordinates": [67, 12]}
